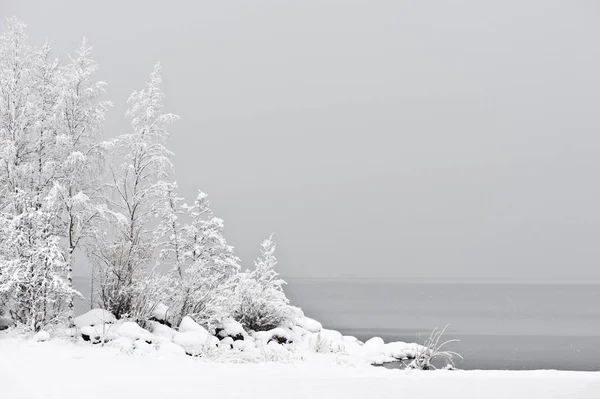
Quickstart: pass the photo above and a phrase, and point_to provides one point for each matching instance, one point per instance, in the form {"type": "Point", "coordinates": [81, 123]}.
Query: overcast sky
{"type": "Point", "coordinates": [374, 138]}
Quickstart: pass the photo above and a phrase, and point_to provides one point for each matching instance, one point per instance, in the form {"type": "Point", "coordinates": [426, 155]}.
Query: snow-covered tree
{"type": "Point", "coordinates": [123, 257]}
{"type": "Point", "coordinates": [80, 153]}
{"type": "Point", "coordinates": [50, 119]}
{"type": "Point", "coordinates": [18, 115]}
{"type": "Point", "coordinates": [260, 302]}
{"type": "Point", "coordinates": [202, 265]}
{"type": "Point", "coordinates": [34, 279]}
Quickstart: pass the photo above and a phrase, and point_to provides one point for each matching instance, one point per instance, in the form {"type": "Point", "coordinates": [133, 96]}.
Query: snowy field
{"type": "Point", "coordinates": [63, 370]}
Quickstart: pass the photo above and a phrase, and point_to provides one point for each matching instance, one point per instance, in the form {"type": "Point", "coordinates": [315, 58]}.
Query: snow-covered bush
{"type": "Point", "coordinates": [261, 304]}
{"type": "Point", "coordinates": [432, 350]}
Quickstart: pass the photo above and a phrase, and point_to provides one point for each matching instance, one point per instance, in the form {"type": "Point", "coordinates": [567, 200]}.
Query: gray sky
{"type": "Point", "coordinates": [375, 138]}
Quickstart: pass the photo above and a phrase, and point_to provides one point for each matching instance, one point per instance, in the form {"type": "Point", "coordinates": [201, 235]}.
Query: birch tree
{"type": "Point", "coordinates": [124, 258]}
{"type": "Point", "coordinates": [80, 154]}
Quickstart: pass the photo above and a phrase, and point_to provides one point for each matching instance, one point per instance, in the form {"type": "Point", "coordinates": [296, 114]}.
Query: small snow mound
{"type": "Point", "coordinates": [374, 344]}
{"type": "Point", "coordinates": [41, 336]}
{"type": "Point", "coordinates": [309, 324]}
{"type": "Point", "coordinates": [94, 317]}
{"type": "Point", "coordinates": [169, 348]}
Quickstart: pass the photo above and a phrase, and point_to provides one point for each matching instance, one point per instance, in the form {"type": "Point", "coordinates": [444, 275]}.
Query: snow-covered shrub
{"type": "Point", "coordinates": [432, 350]}
{"type": "Point", "coordinates": [261, 304]}
{"type": "Point", "coordinates": [327, 341]}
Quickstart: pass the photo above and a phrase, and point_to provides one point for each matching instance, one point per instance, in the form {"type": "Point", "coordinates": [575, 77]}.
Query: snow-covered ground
{"type": "Point", "coordinates": [62, 369]}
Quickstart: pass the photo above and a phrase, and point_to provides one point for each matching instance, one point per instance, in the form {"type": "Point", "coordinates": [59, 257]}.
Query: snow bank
{"type": "Point", "coordinates": [94, 317]}
{"type": "Point", "coordinates": [63, 370]}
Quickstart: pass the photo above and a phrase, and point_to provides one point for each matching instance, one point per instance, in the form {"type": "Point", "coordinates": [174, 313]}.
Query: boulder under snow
{"type": "Point", "coordinates": [94, 317]}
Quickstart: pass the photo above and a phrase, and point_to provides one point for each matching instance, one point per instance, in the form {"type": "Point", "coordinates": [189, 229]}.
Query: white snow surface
{"type": "Point", "coordinates": [60, 369]}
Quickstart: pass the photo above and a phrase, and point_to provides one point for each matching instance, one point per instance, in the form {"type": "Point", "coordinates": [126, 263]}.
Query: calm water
{"type": "Point", "coordinates": [500, 326]}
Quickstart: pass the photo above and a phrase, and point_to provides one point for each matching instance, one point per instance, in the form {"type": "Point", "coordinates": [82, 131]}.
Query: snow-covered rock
{"type": "Point", "coordinates": [276, 334]}
{"type": "Point", "coordinates": [374, 345]}
{"type": "Point", "coordinates": [397, 350]}
{"type": "Point", "coordinates": [227, 341]}
{"type": "Point", "coordinates": [161, 331]}
{"type": "Point", "coordinates": [41, 336]}
{"type": "Point", "coordinates": [89, 333]}
{"type": "Point", "coordinates": [94, 317]}
{"type": "Point", "coordinates": [231, 328]}
{"type": "Point", "coordinates": [160, 312]}
{"type": "Point", "coordinates": [192, 341]}
{"type": "Point", "coordinates": [133, 331]}
{"type": "Point", "coordinates": [188, 324]}
{"type": "Point", "coordinates": [169, 348]}
{"type": "Point", "coordinates": [309, 324]}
